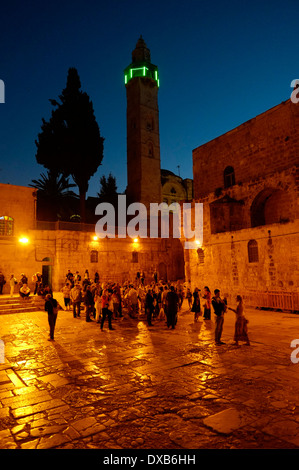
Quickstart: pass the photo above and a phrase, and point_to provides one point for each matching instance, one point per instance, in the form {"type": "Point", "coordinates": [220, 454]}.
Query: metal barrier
{"type": "Point", "coordinates": [281, 300]}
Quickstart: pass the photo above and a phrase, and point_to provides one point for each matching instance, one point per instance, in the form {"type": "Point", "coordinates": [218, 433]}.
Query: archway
{"type": "Point", "coordinates": [270, 206]}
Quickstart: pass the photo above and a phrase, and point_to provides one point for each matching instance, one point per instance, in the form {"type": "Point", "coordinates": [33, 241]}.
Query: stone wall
{"type": "Point", "coordinates": [251, 219]}
{"type": "Point", "coordinates": [18, 202]}
{"type": "Point", "coordinates": [117, 260]}
{"type": "Point", "coordinates": [266, 144]}
{"type": "Point", "coordinates": [225, 262]}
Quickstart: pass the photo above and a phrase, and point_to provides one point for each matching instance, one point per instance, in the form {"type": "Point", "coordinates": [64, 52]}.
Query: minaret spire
{"type": "Point", "coordinates": [143, 139]}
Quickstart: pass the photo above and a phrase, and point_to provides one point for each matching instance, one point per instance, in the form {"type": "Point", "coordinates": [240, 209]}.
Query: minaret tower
{"type": "Point", "coordinates": [143, 141]}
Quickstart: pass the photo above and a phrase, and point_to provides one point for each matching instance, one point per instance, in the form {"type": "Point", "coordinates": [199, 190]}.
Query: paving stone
{"type": "Point", "coordinates": [26, 400]}
{"type": "Point", "coordinates": [6, 440]}
{"type": "Point", "coordinates": [4, 413]}
{"type": "Point", "coordinates": [29, 410]}
{"type": "Point", "coordinates": [224, 422]}
{"type": "Point", "coordinates": [30, 444]}
{"type": "Point", "coordinates": [83, 423]}
{"type": "Point", "coordinates": [53, 441]}
{"type": "Point", "coordinates": [167, 396]}
{"type": "Point", "coordinates": [44, 430]}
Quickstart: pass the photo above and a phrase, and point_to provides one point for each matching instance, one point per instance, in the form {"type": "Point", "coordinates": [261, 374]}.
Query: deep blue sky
{"type": "Point", "coordinates": [220, 63]}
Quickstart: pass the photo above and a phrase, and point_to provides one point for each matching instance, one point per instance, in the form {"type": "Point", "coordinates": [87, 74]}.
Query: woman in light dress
{"type": "Point", "coordinates": [241, 323]}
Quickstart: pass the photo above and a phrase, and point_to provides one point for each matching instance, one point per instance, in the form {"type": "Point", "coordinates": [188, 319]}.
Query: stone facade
{"type": "Point", "coordinates": [175, 188]}
{"type": "Point", "coordinates": [248, 181]}
{"type": "Point", "coordinates": [18, 203]}
{"type": "Point", "coordinates": [53, 248]}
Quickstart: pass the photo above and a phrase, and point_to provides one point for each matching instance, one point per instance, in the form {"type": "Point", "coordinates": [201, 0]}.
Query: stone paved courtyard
{"type": "Point", "coordinates": [148, 388]}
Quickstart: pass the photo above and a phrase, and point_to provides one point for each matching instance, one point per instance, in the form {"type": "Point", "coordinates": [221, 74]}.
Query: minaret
{"type": "Point", "coordinates": [143, 141]}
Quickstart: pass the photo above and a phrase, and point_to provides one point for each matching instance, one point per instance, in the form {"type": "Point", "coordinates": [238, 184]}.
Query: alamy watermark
{"type": "Point", "coordinates": [146, 225]}
{"type": "Point", "coordinates": [295, 92]}
{"type": "Point", "coordinates": [295, 344]}
{"type": "Point", "coordinates": [2, 360]}
{"type": "Point", "coordinates": [2, 91]}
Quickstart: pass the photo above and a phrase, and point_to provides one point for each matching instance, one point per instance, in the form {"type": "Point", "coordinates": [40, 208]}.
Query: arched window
{"type": "Point", "coordinates": [229, 176]}
{"type": "Point", "coordinates": [150, 150]}
{"type": "Point", "coordinates": [94, 256]}
{"type": "Point", "coordinates": [253, 251]}
{"type": "Point", "coordinates": [6, 225]}
{"type": "Point", "coordinates": [201, 256]}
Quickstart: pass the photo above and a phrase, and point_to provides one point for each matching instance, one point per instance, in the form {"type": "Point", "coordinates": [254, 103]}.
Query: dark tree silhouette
{"type": "Point", "coordinates": [108, 191]}
{"type": "Point", "coordinates": [70, 142]}
{"type": "Point", "coordinates": [52, 191]}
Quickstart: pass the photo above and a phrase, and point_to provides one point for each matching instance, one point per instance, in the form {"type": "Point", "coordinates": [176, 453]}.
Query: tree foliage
{"type": "Point", "coordinates": [108, 189]}
{"type": "Point", "coordinates": [52, 191]}
{"type": "Point", "coordinates": [70, 142]}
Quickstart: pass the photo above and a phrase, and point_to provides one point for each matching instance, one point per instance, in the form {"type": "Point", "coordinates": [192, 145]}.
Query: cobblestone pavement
{"type": "Point", "coordinates": [148, 388]}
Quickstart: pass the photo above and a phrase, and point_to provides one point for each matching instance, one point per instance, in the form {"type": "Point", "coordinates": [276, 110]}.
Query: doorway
{"type": "Point", "coordinates": [47, 272]}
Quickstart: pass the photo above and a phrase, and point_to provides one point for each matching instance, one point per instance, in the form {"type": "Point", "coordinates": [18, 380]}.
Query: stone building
{"type": "Point", "coordinates": [28, 245]}
{"type": "Point", "coordinates": [248, 182]}
{"type": "Point", "coordinates": [175, 188]}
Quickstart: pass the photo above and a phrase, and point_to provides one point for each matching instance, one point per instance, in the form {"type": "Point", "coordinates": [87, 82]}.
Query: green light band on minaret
{"type": "Point", "coordinates": [141, 65]}
{"type": "Point", "coordinates": [148, 70]}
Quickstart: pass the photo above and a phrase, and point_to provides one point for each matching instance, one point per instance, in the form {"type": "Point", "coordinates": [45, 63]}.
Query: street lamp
{"type": "Point", "coordinates": [24, 240]}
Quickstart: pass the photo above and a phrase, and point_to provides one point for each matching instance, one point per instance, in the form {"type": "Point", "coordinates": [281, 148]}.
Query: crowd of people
{"type": "Point", "coordinates": [157, 300]}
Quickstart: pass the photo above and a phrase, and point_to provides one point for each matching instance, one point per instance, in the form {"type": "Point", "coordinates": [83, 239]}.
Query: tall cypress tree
{"type": "Point", "coordinates": [70, 142]}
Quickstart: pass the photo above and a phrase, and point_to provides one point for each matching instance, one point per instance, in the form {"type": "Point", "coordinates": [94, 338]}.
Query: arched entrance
{"type": "Point", "coordinates": [270, 206]}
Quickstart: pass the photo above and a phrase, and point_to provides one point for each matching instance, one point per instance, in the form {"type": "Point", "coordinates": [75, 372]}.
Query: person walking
{"type": "Point", "coordinates": [12, 283]}
{"type": "Point", "coordinates": [173, 301]}
{"type": "Point", "coordinates": [51, 306]}
{"type": "Point", "coordinates": [219, 309]}
{"type": "Point", "coordinates": [89, 303]}
{"type": "Point", "coordinates": [76, 298]}
{"type": "Point", "coordinates": [149, 307]}
{"type": "Point", "coordinates": [107, 307]}
{"type": "Point", "coordinates": [98, 303]}
{"type": "Point", "coordinates": [133, 301]}
{"type": "Point", "coordinates": [37, 278]}
{"type": "Point", "coordinates": [241, 330]}
{"type": "Point", "coordinates": [196, 304]}
{"type": "Point", "coordinates": [115, 301]}
{"type": "Point", "coordinates": [66, 290]}
{"type": "Point", "coordinates": [207, 306]}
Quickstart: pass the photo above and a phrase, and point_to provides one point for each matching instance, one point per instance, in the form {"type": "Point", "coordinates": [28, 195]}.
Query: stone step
{"type": "Point", "coordinates": [16, 305]}
{"type": "Point", "coordinates": [16, 301]}
{"type": "Point", "coordinates": [19, 310]}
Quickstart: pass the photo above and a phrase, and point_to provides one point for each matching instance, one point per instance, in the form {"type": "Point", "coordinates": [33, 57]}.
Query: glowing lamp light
{"type": "Point", "coordinates": [24, 240]}
{"type": "Point", "coordinates": [135, 240]}
{"type": "Point", "coordinates": [95, 238]}
{"type": "Point", "coordinates": [197, 242]}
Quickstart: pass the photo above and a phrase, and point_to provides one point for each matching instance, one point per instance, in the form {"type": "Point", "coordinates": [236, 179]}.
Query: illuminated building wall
{"type": "Point", "coordinates": [248, 180]}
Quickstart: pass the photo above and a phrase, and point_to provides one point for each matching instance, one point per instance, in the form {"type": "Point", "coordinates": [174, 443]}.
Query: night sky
{"type": "Point", "coordinates": [221, 63]}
